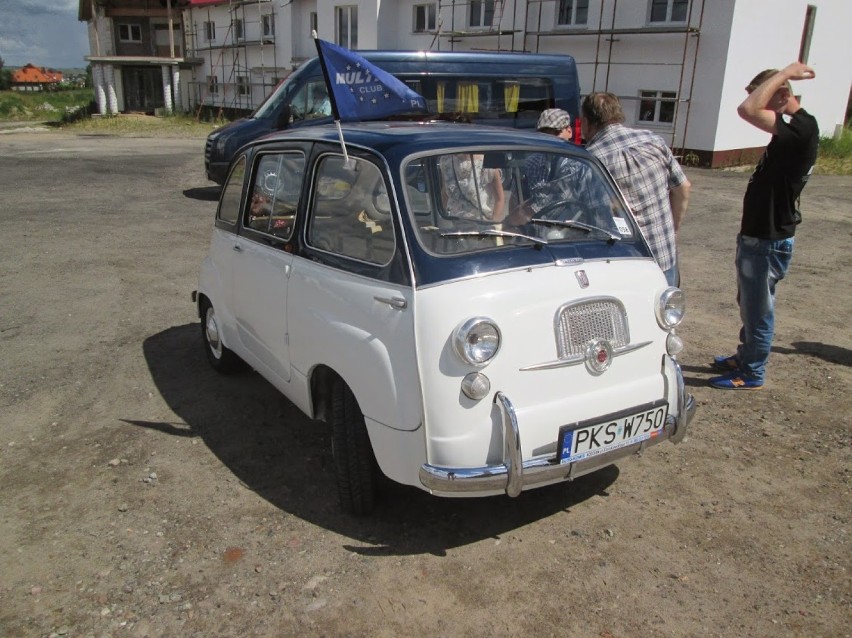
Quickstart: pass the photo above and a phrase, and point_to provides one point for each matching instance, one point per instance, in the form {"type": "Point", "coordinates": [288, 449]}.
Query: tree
{"type": "Point", "coordinates": [5, 76]}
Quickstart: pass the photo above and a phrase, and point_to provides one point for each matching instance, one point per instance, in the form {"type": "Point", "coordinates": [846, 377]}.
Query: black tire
{"type": "Point", "coordinates": [221, 359]}
{"type": "Point", "coordinates": [355, 465]}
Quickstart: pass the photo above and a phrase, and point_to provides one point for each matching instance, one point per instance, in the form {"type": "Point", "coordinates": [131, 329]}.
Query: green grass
{"type": "Point", "coordinates": [143, 126]}
{"type": "Point", "coordinates": [835, 155]}
{"type": "Point", "coordinates": [41, 106]}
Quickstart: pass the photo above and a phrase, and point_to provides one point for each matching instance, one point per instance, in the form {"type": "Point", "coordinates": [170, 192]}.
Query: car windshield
{"type": "Point", "coordinates": [479, 200]}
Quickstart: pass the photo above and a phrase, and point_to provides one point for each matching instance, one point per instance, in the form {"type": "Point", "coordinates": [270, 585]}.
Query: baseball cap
{"type": "Point", "coordinates": [554, 118]}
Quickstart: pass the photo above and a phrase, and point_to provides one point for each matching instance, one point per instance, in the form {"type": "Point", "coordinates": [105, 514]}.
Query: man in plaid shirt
{"type": "Point", "coordinates": [643, 166]}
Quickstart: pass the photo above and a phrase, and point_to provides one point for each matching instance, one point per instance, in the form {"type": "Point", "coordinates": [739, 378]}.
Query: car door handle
{"type": "Point", "coordinates": [394, 302]}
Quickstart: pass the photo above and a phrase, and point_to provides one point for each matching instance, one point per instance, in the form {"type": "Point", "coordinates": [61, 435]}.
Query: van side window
{"type": "Point", "coordinates": [351, 213]}
{"type": "Point", "coordinates": [229, 205]}
{"type": "Point", "coordinates": [275, 193]}
{"type": "Point", "coordinates": [310, 101]}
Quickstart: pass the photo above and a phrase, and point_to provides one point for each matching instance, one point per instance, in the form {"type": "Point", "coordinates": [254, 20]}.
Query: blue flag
{"type": "Point", "coordinates": [360, 90]}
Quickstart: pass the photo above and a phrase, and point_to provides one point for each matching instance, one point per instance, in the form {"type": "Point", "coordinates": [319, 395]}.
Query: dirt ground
{"type": "Point", "coordinates": [143, 495]}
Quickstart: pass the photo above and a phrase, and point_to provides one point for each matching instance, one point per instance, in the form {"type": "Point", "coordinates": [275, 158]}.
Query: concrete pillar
{"type": "Point", "coordinates": [167, 87]}
{"type": "Point", "coordinates": [100, 93]}
{"type": "Point", "coordinates": [109, 80]}
{"type": "Point", "coordinates": [176, 88]}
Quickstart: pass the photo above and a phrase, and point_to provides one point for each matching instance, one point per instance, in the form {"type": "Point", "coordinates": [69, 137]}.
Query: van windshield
{"type": "Point", "coordinates": [479, 200]}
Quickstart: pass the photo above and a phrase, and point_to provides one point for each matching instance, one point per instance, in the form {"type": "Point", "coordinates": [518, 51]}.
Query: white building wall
{"type": "Point", "coordinates": [764, 38]}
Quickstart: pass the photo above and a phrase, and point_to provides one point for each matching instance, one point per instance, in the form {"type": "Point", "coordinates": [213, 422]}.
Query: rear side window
{"type": "Point", "coordinates": [351, 213]}
{"type": "Point", "coordinates": [229, 205]}
{"type": "Point", "coordinates": [275, 193]}
{"type": "Point", "coordinates": [485, 98]}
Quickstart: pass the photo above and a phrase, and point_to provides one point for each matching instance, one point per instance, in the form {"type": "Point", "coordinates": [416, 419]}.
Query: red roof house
{"type": "Point", "coordinates": [33, 78]}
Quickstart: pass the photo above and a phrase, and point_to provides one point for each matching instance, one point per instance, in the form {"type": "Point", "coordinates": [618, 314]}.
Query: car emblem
{"type": "Point", "coordinates": [598, 356]}
{"type": "Point", "coordinates": [582, 279]}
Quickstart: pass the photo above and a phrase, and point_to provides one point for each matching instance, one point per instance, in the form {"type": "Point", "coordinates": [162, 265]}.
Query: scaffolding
{"type": "Point", "coordinates": [526, 36]}
{"type": "Point", "coordinates": [244, 66]}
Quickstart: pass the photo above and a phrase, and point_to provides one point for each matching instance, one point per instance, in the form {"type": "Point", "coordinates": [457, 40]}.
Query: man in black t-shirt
{"type": "Point", "coordinates": [770, 216]}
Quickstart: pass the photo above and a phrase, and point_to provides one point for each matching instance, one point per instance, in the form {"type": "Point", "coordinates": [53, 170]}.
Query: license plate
{"type": "Point", "coordinates": [584, 440]}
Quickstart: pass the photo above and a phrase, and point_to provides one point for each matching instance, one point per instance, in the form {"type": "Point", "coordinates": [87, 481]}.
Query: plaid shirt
{"type": "Point", "coordinates": [645, 169]}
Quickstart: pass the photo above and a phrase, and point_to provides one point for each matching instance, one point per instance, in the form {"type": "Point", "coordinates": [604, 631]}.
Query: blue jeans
{"type": "Point", "coordinates": [761, 263]}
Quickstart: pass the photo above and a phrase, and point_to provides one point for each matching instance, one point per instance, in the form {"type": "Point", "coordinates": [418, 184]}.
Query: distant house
{"type": "Point", "coordinates": [137, 54]}
{"type": "Point", "coordinates": [35, 78]}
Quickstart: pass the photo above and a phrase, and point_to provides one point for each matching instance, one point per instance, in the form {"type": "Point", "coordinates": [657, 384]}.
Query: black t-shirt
{"type": "Point", "coordinates": [770, 207]}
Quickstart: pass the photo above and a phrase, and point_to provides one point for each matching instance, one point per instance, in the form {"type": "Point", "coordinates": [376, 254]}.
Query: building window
{"type": "Point", "coordinates": [130, 33]}
{"type": "Point", "coordinates": [572, 12]}
{"type": "Point", "coordinates": [239, 33]}
{"type": "Point", "coordinates": [481, 13]}
{"type": "Point", "coordinates": [243, 86]}
{"type": "Point", "coordinates": [668, 11]}
{"type": "Point", "coordinates": [268, 26]}
{"type": "Point", "coordinates": [346, 26]}
{"type": "Point", "coordinates": [210, 31]}
{"type": "Point", "coordinates": [657, 107]}
{"type": "Point", "coordinates": [424, 17]}
{"type": "Point", "coordinates": [212, 85]}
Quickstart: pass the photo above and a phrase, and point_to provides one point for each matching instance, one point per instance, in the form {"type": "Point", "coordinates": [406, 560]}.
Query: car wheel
{"type": "Point", "coordinates": [221, 358]}
{"type": "Point", "coordinates": [354, 463]}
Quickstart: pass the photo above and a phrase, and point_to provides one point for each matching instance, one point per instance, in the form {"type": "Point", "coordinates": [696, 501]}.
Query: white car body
{"type": "Point", "coordinates": [295, 311]}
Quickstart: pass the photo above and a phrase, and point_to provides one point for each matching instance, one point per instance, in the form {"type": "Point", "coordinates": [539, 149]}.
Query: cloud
{"type": "Point", "coordinates": [44, 33]}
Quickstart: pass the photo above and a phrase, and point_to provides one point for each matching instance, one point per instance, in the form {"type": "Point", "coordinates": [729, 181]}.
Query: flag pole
{"type": "Point", "coordinates": [334, 112]}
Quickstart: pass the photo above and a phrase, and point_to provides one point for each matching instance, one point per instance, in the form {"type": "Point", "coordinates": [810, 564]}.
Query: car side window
{"type": "Point", "coordinates": [351, 212]}
{"type": "Point", "coordinates": [229, 204]}
{"type": "Point", "coordinates": [310, 101]}
{"type": "Point", "coordinates": [275, 193]}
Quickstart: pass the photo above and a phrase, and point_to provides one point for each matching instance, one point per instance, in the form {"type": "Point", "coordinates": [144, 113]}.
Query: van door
{"type": "Point", "coordinates": [263, 260]}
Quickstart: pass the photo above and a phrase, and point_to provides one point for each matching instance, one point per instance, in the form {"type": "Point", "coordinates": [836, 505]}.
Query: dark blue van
{"type": "Point", "coordinates": [503, 89]}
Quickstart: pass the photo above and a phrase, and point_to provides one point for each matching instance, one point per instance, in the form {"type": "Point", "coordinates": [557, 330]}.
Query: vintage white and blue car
{"type": "Point", "coordinates": [472, 309]}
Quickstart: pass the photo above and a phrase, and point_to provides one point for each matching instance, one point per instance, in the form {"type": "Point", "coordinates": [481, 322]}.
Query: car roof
{"type": "Point", "coordinates": [405, 138]}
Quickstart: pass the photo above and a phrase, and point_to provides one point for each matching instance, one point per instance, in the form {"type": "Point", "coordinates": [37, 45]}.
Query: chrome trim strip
{"type": "Point", "coordinates": [577, 359]}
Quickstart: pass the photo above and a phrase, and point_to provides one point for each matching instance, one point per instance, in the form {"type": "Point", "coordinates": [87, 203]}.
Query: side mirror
{"type": "Point", "coordinates": [284, 118]}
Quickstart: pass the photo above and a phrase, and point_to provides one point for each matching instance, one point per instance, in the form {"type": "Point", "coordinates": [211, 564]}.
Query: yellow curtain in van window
{"type": "Point", "coordinates": [468, 97]}
{"type": "Point", "coordinates": [511, 94]}
{"type": "Point", "coordinates": [439, 94]}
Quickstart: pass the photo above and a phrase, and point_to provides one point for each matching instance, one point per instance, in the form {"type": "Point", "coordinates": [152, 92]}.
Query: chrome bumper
{"type": "Point", "coordinates": [513, 475]}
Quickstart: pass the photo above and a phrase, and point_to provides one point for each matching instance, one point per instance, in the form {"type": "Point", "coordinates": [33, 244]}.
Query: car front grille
{"type": "Point", "coordinates": [581, 322]}
{"type": "Point", "coordinates": [208, 150]}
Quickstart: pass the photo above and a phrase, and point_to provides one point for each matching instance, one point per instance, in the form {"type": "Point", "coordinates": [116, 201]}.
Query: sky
{"type": "Point", "coordinates": [43, 32]}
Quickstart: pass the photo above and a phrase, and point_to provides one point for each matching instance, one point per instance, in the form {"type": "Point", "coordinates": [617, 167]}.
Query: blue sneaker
{"type": "Point", "coordinates": [735, 380]}
{"type": "Point", "coordinates": [725, 364]}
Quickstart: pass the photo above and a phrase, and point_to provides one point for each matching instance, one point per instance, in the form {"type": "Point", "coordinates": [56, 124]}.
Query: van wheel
{"type": "Point", "coordinates": [223, 360]}
{"type": "Point", "coordinates": [354, 463]}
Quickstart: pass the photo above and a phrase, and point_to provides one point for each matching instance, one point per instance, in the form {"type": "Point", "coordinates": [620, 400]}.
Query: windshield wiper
{"type": "Point", "coordinates": [568, 223]}
{"type": "Point", "coordinates": [493, 233]}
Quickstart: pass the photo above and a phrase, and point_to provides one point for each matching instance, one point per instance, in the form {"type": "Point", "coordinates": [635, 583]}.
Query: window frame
{"type": "Point", "coordinates": [428, 16]}
{"type": "Point", "coordinates": [572, 21]}
{"type": "Point", "coordinates": [131, 30]}
{"type": "Point", "coordinates": [670, 4]}
{"type": "Point", "coordinates": [239, 30]}
{"type": "Point", "coordinates": [243, 85]}
{"type": "Point", "coordinates": [662, 99]}
{"type": "Point", "coordinates": [267, 25]}
{"type": "Point", "coordinates": [210, 30]}
{"type": "Point", "coordinates": [213, 84]}
{"type": "Point", "coordinates": [482, 8]}
{"type": "Point", "coordinates": [228, 196]}
{"type": "Point", "coordinates": [271, 193]}
{"type": "Point", "coordinates": [346, 16]}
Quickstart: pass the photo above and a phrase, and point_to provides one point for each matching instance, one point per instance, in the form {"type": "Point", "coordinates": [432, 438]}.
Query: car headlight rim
{"type": "Point", "coordinates": [671, 308]}
{"type": "Point", "coordinates": [477, 341]}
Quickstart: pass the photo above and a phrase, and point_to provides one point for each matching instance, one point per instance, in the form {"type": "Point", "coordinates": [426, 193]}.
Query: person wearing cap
{"type": "Point", "coordinates": [546, 183]}
{"type": "Point", "coordinates": [651, 179]}
{"type": "Point", "coordinates": [769, 219]}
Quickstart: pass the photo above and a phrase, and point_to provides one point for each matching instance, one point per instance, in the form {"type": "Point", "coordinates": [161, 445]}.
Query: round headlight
{"type": "Point", "coordinates": [477, 340]}
{"type": "Point", "coordinates": [475, 385]}
{"type": "Point", "coordinates": [671, 308]}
